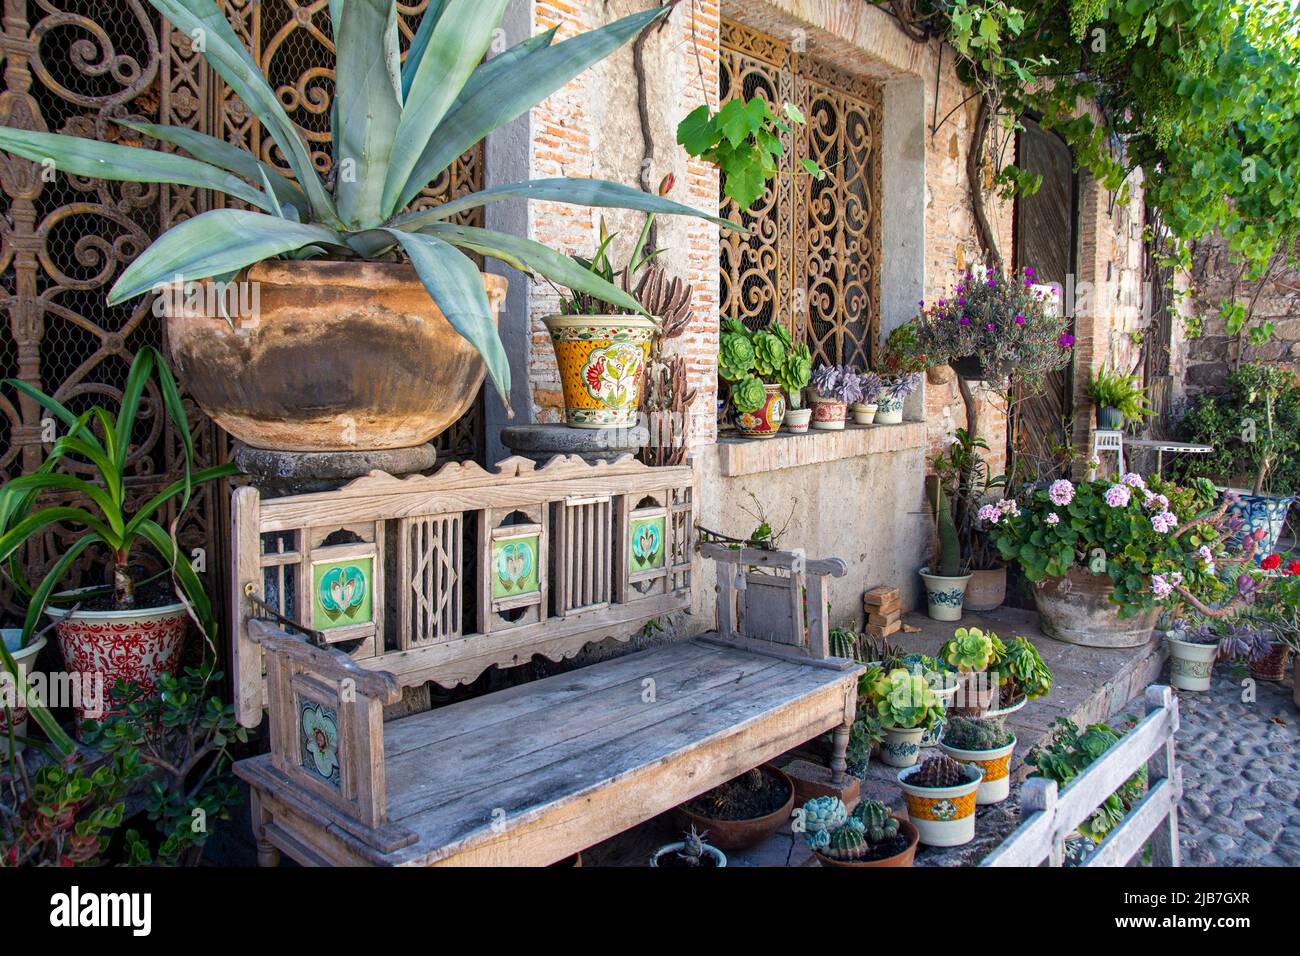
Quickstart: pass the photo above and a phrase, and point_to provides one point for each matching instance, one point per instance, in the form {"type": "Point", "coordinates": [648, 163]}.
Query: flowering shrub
{"type": "Point", "coordinates": [1007, 322]}
{"type": "Point", "coordinates": [1120, 528]}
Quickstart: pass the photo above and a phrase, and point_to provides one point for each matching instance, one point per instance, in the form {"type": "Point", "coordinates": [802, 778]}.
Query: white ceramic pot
{"type": "Point", "coordinates": [889, 411]}
{"type": "Point", "coordinates": [9, 696]}
{"type": "Point", "coordinates": [995, 785]}
{"type": "Point", "coordinates": [797, 419]}
{"type": "Point", "coordinates": [711, 851]}
{"type": "Point", "coordinates": [901, 746]}
{"type": "Point", "coordinates": [944, 597]}
{"type": "Point", "coordinates": [864, 413]}
{"type": "Point", "coordinates": [930, 737]}
{"type": "Point", "coordinates": [1191, 665]}
{"type": "Point", "coordinates": [828, 414]}
{"type": "Point", "coordinates": [945, 816]}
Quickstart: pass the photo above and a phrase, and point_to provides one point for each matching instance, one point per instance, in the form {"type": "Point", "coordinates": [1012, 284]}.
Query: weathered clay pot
{"type": "Point", "coordinates": [1272, 666]}
{"type": "Point", "coordinates": [904, 858]}
{"type": "Point", "coordinates": [986, 590]}
{"type": "Point", "coordinates": [336, 356]}
{"type": "Point", "coordinates": [742, 834]}
{"type": "Point", "coordinates": [1077, 609]}
{"type": "Point", "coordinates": [139, 645]}
{"type": "Point", "coordinates": [601, 360]}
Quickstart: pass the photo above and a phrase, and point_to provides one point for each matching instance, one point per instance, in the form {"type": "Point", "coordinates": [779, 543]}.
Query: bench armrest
{"type": "Point", "coordinates": [785, 607]}
{"type": "Point", "coordinates": [327, 721]}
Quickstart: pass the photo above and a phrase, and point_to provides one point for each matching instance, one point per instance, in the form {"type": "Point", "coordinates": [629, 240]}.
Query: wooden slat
{"type": "Point", "coordinates": [1126, 841]}
{"type": "Point", "coordinates": [247, 656]}
{"type": "Point", "coordinates": [1036, 837]}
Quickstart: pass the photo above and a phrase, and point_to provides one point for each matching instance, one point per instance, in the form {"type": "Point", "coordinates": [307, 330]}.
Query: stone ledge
{"type": "Point", "coordinates": [741, 456]}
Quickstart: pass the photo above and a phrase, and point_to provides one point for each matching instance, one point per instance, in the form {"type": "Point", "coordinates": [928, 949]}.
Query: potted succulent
{"type": "Point", "coordinates": [940, 795]}
{"type": "Point", "coordinates": [971, 652]}
{"type": "Point", "coordinates": [13, 713]}
{"type": "Point", "coordinates": [834, 388]}
{"type": "Point", "coordinates": [1192, 653]}
{"type": "Point", "coordinates": [794, 376]}
{"type": "Point", "coordinates": [945, 577]}
{"type": "Point", "coordinates": [941, 680]}
{"type": "Point", "coordinates": [743, 811]}
{"type": "Point", "coordinates": [758, 366]}
{"type": "Point", "coordinates": [1119, 399]}
{"type": "Point", "coordinates": [893, 391]}
{"type": "Point", "coordinates": [987, 744]}
{"type": "Point", "coordinates": [869, 836]}
{"type": "Point", "coordinates": [375, 324]}
{"type": "Point", "coordinates": [906, 705]}
{"type": "Point", "coordinates": [691, 852]}
{"type": "Point", "coordinates": [864, 410]}
{"type": "Point", "coordinates": [972, 497]}
{"type": "Point", "coordinates": [1022, 675]}
{"type": "Point", "coordinates": [132, 629]}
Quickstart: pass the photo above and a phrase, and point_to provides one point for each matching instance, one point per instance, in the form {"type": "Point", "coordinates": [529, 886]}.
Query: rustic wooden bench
{"type": "Point", "coordinates": [343, 598]}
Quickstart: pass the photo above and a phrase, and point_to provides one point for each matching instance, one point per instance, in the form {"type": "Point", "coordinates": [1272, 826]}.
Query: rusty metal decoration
{"type": "Point", "coordinates": [812, 255]}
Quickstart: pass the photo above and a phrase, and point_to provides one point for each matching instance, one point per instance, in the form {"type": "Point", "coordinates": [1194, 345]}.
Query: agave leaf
{"type": "Point", "coordinates": [457, 43]}
{"type": "Point", "coordinates": [511, 93]}
{"type": "Point", "coordinates": [502, 63]}
{"type": "Point", "coordinates": [418, 42]}
{"type": "Point", "coordinates": [583, 192]}
{"type": "Point", "coordinates": [529, 256]}
{"type": "Point", "coordinates": [226, 54]}
{"type": "Point", "coordinates": [368, 110]}
{"type": "Point", "coordinates": [454, 282]}
{"type": "Point", "coordinates": [89, 157]}
{"type": "Point", "coordinates": [219, 153]}
{"type": "Point", "coordinates": [214, 242]}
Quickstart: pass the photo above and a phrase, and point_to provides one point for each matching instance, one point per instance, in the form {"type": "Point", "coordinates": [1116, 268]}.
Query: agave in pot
{"type": "Point", "coordinates": [340, 369]}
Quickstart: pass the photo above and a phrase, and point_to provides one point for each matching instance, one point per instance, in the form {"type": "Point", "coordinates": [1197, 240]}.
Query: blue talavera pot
{"type": "Point", "coordinates": [1260, 511]}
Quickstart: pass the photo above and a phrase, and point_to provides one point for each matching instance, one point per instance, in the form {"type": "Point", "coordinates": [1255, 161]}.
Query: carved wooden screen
{"type": "Point", "coordinates": [811, 257]}
{"type": "Point", "coordinates": [74, 66]}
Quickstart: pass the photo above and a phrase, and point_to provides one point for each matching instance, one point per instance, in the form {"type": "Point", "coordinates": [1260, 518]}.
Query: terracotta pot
{"type": "Point", "coordinates": [944, 597]}
{"type": "Point", "coordinates": [995, 785]}
{"type": "Point", "coordinates": [797, 420]}
{"type": "Point", "coordinates": [903, 858]}
{"type": "Point", "coordinates": [986, 590]}
{"type": "Point", "coordinates": [976, 694]}
{"type": "Point", "coordinates": [1191, 665]}
{"type": "Point", "coordinates": [889, 411]}
{"type": "Point", "coordinates": [1076, 609]}
{"type": "Point", "coordinates": [336, 356]}
{"type": "Point", "coordinates": [1272, 666]}
{"type": "Point", "coordinates": [24, 657]}
{"type": "Point", "coordinates": [828, 414]}
{"type": "Point", "coordinates": [601, 359]}
{"type": "Point", "coordinates": [138, 645]}
{"type": "Point", "coordinates": [944, 815]}
{"type": "Point", "coordinates": [766, 420]}
{"type": "Point", "coordinates": [742, 834]}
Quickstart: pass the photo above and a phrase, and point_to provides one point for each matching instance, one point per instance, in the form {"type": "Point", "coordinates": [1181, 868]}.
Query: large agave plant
{"type": "Point", "coordinates": [397, 124]}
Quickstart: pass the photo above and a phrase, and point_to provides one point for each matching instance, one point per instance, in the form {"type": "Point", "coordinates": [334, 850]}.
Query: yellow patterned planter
{"type": "Point", "coordinates": [996, 764]}
{"type": "Point", "coordinates": [944, 815]}
{"type": "Point", "coordinates": [601, 360]}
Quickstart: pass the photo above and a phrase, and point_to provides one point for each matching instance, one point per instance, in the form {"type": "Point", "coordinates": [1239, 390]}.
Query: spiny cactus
{"type": "Point", "coordinates": [754, 779]}
{"type": "Point", "coordinates": [941, 771]}
{"type": "Point", "coordinates": [949, 563]}
{"type": "Point", "coordinates": [844, 643]}
{"type": "Point", "coordinates": [878, 824]}
{"type": "Point", "coordinates": [847, 843]}
{"type": "Point", "coordinates": [971, 733]}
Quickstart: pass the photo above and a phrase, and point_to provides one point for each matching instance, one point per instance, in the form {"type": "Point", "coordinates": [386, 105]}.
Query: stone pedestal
{"type": "Point", "coordinates": [279, 473]}
{"type": "Point", "coordinates": [541, 443]}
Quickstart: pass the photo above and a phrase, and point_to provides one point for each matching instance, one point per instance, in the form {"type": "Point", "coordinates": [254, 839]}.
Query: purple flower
{"type": "Point", "coordinates": [989, 513]}
{"type": "Point", "coordinates": [942, 302]}
{"type": "Point", "coordinates": [1164, 522]}
{"type": "Point", "coordinates": [1029, 271]}
{"type": "Point", "coordinates": [993, 282]}
{"type": "Point", "coordinates": [1066, 340]}
{"type": "Point", "coordinates": [990, 326]}
{"type": "Point", "coordinates": [1061, 492]}
{"type": "Point", "coordinates": [1117, 496]}
{"type": "Point", "coordinates": [922, 303]}
{"type": "Point", "coordinates": [1134, 480]}
{"type": "Point", "coordinates": [961, 299]}
{"type": "Point", "coordinates": [1160, 586]}
{"type": "Point", "coordinates": [1053, 518]}
{"type": "Point", "coordinates": [965, 320]}
{"type": "Point", "coordinates": [1020, 320]}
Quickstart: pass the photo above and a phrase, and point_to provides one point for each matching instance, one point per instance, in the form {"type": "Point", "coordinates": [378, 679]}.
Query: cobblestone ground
{"type": "Point", "coordinates": [1241, 775]}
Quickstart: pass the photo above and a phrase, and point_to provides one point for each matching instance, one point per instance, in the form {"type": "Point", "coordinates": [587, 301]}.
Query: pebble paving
{"type": "Point", "coordinates": [1241, 774]}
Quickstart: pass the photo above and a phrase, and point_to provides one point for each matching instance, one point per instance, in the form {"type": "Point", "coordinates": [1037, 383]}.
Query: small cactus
{"type": "Point", "coordinates": [693, 847]}
{"type": "Point", "coordinates": [754, 779]}
{"type": "Point", "coordinates": [941, 771]}
{"type": "Point", "coordinates": [846, 843]}
{"type": "Point", "coordinates": [877, 822]}
{"type": "Point", "coordinates": [971, 733]}
{"type": "Point", "coordinates": [821, 815]}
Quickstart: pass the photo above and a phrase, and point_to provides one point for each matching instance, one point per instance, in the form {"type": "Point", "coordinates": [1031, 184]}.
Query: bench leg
{"type": "Point", "coordinates": [839, 747]}
{"type": "Point", "coordinates": [267, 852]}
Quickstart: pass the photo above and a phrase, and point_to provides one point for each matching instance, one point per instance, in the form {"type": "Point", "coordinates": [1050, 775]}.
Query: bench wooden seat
{"type": "Point", "coordinates": [533, 773]}
{"type": "Point", "coordinates": [529, 774]}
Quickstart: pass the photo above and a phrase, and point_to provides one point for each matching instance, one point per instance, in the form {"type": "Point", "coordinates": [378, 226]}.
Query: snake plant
{"type": "Point", "coordinates": [396, 124]}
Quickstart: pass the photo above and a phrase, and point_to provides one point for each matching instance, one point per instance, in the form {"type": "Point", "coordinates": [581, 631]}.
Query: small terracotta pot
{"type": "Point", "coordinates": [828, 414]}
{"type": "Point", "coordinates": [742, 834]}
{"type": "Point", "coordinates": [986, 590]}
{"type": "Point", "coordinates": [903, 858]}
{"type": "Point", "coordinates": [765, 421]}
{"type": "Point", "coordinates": [1272, 666]}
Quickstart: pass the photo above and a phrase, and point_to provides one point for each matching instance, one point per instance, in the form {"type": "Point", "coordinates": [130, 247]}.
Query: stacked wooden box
{"type": "Point", "coordinates": [884, 611]}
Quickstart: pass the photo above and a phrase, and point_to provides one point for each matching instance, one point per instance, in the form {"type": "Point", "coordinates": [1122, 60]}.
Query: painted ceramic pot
{"type": "Point", "coordinates": [986, 590]}
{"type": "Point", "coordinates": [601, 359]}
{"type": "Point", "coordinates": [1077, 609]}
{"type": "Point", "coordinates": [1265, 513]}
{"type": "Point", "coordinates": [944, 815]}
{"type": "Point", "coordinates": [864, 413]}
{"type": "Point", "coordinates": [930, 735]}
{"type": "Point", "coordinates": [828, 414]}
{"type": "Point", "coordinates": [889, 411]}
{"type": "Point", "coordinates": [24, 657]}
{"type": "Point", "coordinates": [995, 784]}
{"type": "Point", "coordinates": [766, 420]}
{"type": "Point", "coordinates": [1191, 665]}
{"type": "Point", "coordinates": [901, 746]}
{"type": "Point", "coordinates": [329, 356]}
{"type": "Point", "coordinates": [1272, 666]}
{"type": "Point", "coordinates": [797, 419]}
{"type": "Point", "coordinates": [944, 597]}
{"type": "Point", "coordinates": [1110, 419]}
{"type": "Point", "coordinates": [102, 647]}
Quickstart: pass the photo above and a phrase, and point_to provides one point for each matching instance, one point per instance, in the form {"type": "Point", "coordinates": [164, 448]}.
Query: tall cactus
{"type": "Point", "coordinates": [949, 564]}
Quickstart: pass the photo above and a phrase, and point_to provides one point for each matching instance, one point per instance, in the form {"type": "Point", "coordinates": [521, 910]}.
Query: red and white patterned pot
{"type": "Point", "coordinates": [138, 645]}
{"type": "Point", "coordinates": [828, 414]}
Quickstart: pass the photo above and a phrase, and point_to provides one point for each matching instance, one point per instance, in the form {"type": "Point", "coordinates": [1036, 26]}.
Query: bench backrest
{"type": "Point", "coordinates": [436, 578]}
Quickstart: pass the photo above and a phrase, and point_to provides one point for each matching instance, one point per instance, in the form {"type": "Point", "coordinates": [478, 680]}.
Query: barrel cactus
{"type": "Point", "coordinates": [846, 843]}
{"type": "Point", "coordinates": [878, 823]}
{"type": "Point", "coordinates": [941, 771]}
{"type": "Point", "coordinates": [970, 733]}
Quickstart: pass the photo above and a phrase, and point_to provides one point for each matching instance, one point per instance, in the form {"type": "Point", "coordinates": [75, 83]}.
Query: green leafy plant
{"type": "Point", "coordinates": [902, 699]}
{"type": "Point", "coordinates": [743, 139]}
{"type": "Point", "coordinates": [750, 360]}
{"type": "Point", "coordinates": [970, 650]}
{"type": "Point", "coordinates": [963, 485]}
{"type": "Point", "coordinates": [108, 519]}
{"type": "Point", "coordinates": [1021, 671]}
{"type": "Point", "coordinates": [1113, 389]}
{"type": "Point", "coordinates": [397, 123]}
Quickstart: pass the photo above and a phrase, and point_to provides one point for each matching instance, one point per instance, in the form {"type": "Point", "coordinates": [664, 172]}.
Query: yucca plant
{"type": "Point", "coordinates": [396, 125]}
